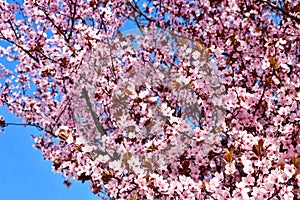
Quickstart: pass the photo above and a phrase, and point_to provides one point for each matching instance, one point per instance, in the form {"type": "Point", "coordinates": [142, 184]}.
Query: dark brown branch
{"type": "Point", "coordinates": [94, 115]}
{"type": "Point", "coordinates": [58, 28]}
{"type": "Point", "coordinates": [19, 46]}
{"type": "Point", "coordinates": [73, 15]}
{"type": "Point", "coordinates": [29, 124]}
{"type": "Point", "coordinates": [272, 5]}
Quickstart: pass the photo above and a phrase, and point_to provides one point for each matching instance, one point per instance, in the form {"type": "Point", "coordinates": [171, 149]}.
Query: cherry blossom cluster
{"type": "Point", "coordinates": [202, 103]}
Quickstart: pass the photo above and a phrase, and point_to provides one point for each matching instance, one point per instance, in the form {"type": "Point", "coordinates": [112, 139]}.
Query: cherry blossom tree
{"type": "Point", "coordinates": [200, 101]}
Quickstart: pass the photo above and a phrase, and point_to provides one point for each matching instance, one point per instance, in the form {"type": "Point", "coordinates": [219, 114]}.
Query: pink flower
{"type": "Point", "coordinates": [230, 168]}
{"type": "Point", "coordinates": [274, 177]}
{"type": "Point", "coordinates": [259, 193]}
{"type": "Point", "coordinates": [288, 192]}
{"type": "Point", "coordinates": [166, 111]}
{"type": "Point", "coordinates": [175, 187]}
{"type": "Point", "coordinates": [289, 170]}
{"type": "Point", "coordinates": [283, 111]}
{"type": "Point", "coordinates": [249, 180]}
{"type": "Point", "coordinates": [215, 181]}
{"type": "Point", "coordinates": [277, 120]}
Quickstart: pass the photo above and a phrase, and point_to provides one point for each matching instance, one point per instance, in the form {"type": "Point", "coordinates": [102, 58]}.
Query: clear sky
{"type": "Point", "coordinates": [25, 175]}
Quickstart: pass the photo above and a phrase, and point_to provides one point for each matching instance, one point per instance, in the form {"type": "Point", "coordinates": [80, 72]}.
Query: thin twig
{"type": "Point", "coordinates": [272, 5]}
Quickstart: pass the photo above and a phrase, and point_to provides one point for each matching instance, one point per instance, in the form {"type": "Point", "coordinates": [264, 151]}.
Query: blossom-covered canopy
{"type": "Point", "coordinates": [200, 101]}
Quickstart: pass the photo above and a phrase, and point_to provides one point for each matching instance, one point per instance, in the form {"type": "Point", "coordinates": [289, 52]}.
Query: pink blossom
{"type": "Point", "coordinates": [230, 168]}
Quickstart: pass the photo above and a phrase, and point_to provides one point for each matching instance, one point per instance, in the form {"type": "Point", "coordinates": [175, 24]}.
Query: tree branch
{"type": "Point", "coordinates": [94, 115]}
{"type": "Point", "coordinates": [29, 124]}
{"type": "Point", "coordinates": [272, 5]}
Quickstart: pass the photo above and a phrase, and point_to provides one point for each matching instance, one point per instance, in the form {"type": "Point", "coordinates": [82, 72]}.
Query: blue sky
{"type": "Point", "coordinates": [24, 174]}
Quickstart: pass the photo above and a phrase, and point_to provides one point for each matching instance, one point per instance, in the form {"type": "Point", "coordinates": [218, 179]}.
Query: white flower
{"type": "Point", "coordinates": [230, 168]}
{"type": "Point", "coordinates": [143, 94]}
{"type": "Point", "coordinates": [102, 158]}
{"type": "Point", "coordinates": [144, 106]}
{"type": "Point", "coordinates": [116, 164]}
{"type": "Point", "coordinates": [228, 42]}
{"type": "Point", "coordinates": [80, 140]}
{"type": "Point", "coordinates": [265, 64]}
{"type": "Point", "coordinates": [281, 41]}
{"type": "Point", "coordinates": [166, 111]}
{"type": "Point", "coordinates": [188, 50]}
{"type": "Point", "coordinates": [138, 170]}
{"type": "Point", "coordinates": [87, 148]}
{"type": "Point", "coordinates": [289, 170]}
{"type": "Point", "coordinates": [134, 162]}
{"type": "Point", "coordinates": [183, 80]}
{"type": "Point", "coordinates": [196, 54]}
{"type": "Point", "coordinates": [70, 139]}
{"type": "Point", "coordinates": [131, 135]}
